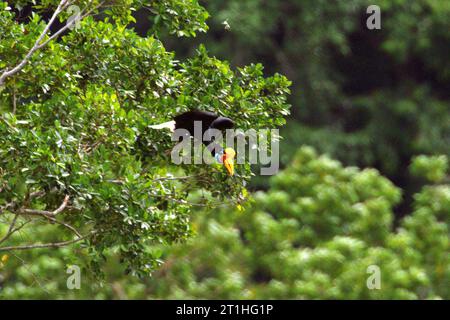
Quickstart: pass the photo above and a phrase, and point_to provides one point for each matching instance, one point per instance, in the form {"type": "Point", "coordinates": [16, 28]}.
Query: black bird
{"type": "Point", "coordinates": [187, 119]}
{"type": "Point", "coordinates": [209, 120]}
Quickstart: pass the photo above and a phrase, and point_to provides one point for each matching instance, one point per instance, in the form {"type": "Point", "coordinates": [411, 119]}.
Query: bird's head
{"type": "Point", "coordinates": [222, 123]}
{"type": "Point", "coordinates": [227, 158]}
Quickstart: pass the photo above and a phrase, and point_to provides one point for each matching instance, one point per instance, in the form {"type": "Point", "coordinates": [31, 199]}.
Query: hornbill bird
{"type": "Point", "coordinates": [209, 120]}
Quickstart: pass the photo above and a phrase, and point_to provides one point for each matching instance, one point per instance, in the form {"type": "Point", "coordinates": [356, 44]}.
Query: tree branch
{"type": "Point", "coordinates": [68, 25]}
{"type": "Point", "coordinates": [68, 226]}
{"type": "Point", "coordinates": [47, 245]}
{"type": "Point", "coordinates": [6, 207]}
{"type": "Point", "coordinates": [62, 206]}
{"type": "Point", "coordinates": [10, 229]}
{"type": "Point", "coordinates": [50, 215]}
{"type": "Point", "coordinates": [14, 99]}
{"type": "Point", "coordinates": [7, 73]}
{"type": "Point", "coordinates": [45, 213]}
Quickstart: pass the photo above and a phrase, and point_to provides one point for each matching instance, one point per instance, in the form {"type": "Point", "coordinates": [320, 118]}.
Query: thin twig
{"type": "Point", "coordinates": [14, 100]}
{"type": "Point", "coordinates": [31, 272]}
{"type": "Point", "coordinates": [68, 25]}
{"type": "Point", "coordinates": [50, 215]}
{"type": "Point", "coordinates": [45, 213]}
{"type": "Point", "coordinates": [38, 45]}
{"type": "Point", "coordinates": [68, 226]}
{"type": "Point", "coordinates": [46, 245]}
{"type": "Point", "coordinates": [11, 232]}
{"type": "Point", "coordinates": [10, 229]}
{"type": "Point", "coordinates": [175, 178]}
{"type": "Point", "coordinates": [7, 73]}
{"type": "Point", "coordinates": [6, 207]}
{"type": "Point", "coordinates": [62, 206]}
{"type": "Point", "coordinates": [212, 204]}
{"type": "Point", "coordinates": [37, 194]}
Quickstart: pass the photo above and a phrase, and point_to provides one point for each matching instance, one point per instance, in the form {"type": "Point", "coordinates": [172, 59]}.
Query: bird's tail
{"type": "Point", "coordinates": [169, 125]}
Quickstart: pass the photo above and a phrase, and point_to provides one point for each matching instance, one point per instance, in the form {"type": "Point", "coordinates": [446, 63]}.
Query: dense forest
{"type": "Point", "coordinates": [364, 119]}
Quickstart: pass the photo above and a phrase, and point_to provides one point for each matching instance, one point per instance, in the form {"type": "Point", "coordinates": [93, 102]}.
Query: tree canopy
{"type": "Point", "coordinates": [75, 147]}
{"type": "Point", "coordinates": [85, 181]}
{"type": "Point", "coordinates": [314, 235]}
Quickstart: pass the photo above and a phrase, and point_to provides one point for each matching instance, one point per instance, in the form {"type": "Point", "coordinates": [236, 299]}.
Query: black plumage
{"type": "Point", "coordinates": [208, 119]}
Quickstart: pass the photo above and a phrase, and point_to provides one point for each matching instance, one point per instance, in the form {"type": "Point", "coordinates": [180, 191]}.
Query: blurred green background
{"type": "Point", "coordinates": [373, 99]}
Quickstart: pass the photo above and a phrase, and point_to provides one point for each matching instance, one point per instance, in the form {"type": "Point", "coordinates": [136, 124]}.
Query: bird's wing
{"type": "Point", "coordinates": [186, 120]}
{"type": "Point", "coordinates": [169, 125]}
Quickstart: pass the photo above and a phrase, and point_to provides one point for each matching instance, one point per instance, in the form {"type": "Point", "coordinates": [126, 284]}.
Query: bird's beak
{"type": "Point", "coordinates": [228, 160]}
{"type": "Point", "coordinates": [229, 165]}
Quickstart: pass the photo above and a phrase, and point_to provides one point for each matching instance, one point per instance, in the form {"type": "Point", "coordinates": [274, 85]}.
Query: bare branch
{"type": "Point", "coordinates": [47, 245]}
{"type": "Point", "coordinates": [37, 194]}
{"type": "Point", "coordinates": [62, 206]}
{"type": "Point", "coordinates": [36, 279]}
{"type": "Point", "coordinates": [168, 178]}
{"type": "Point", "coordinates": [7, 207]}
{"type": "Point", "coordinates": [10, 229]}
{"type": "Point", "coordinates": [7, 73]}
{"type": "Point", "coordinates": [213, 204]}
{"type": "Point", "coordinates": [11, 232]}
{"type": "Point", "coordinates": [68, 25]}
{"type": "Point", "coordinates": [175, 178]}
{"type": "Point", "coordinates": [14, 99]}
{"type": "Point", "coordinates": [45, 213]}
{"type": "Point", "coordinates": [68, 226]}
{"type": "Point", "coordinates": [50, 215]}
{"type": "Point", "coordinates": [13, 205]}
{"type": "Point", "coordinates": [35, 212]}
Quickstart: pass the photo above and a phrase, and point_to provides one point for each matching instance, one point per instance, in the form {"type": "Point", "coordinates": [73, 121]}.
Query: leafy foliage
{"type": "Point", "coordinates": [313, 235]}
{"type": "Point", "coordinates": [74, 125]}
{"type": "Point", "coordinates": [433, 168]}
{"type": "Point", "coordinates": [75, 122]}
